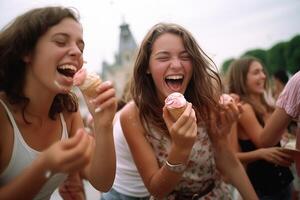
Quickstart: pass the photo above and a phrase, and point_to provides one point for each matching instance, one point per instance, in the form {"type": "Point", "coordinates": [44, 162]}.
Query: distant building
{"type": "Point", "coordinates": [120, 71]}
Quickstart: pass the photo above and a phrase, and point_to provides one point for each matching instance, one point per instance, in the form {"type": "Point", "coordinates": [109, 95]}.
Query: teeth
{"type": "Point", "coordinates": [71, 67]}
{"type": "Point", "coordinates": [175, 77]}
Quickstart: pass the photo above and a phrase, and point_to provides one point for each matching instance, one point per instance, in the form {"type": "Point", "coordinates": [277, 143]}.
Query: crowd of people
{"type": "Point", "coordinates": [134, 149]}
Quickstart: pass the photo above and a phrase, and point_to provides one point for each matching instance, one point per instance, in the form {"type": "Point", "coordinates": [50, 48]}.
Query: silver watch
{"type": "Point", "coordinates": [179, 168]}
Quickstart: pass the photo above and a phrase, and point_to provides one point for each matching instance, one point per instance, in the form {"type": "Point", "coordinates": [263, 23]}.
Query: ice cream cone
{"type": "Point", "coordinates": [87, 82]}
{"type": "Point", "coordinates": [176, 104]}
{"type": "Point", "coordinates": [90, 90]}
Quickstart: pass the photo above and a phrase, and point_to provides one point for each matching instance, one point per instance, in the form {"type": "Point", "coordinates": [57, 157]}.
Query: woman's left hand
{"type": "Point", "coordinates": [103, 107]}
{"type": "Point", "coordinates": [221, 123]}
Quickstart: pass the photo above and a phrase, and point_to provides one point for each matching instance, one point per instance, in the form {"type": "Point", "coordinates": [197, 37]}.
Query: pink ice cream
{"type": "Point", "coordinates": [79, 77]}
{"type": "Point", "coordinates": [175, 104]}
{"type": "Point", "coordinates": [225, 99]}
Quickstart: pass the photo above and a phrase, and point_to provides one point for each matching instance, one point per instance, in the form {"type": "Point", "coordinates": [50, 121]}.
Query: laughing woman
{"type": "Point", "coordinates": [42, 135]}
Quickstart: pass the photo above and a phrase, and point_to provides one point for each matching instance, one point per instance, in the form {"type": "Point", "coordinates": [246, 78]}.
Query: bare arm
{"type": "Point", "coordinates": [275, 127]}
{"type": "Point", "coordinates": [160, 181]}
{"type": "Point", "coordinates": [102, 167]}
{"type": "Point", "coordinates": [226, 160]}
{"type": "Point", "coordinates": [233, 170]}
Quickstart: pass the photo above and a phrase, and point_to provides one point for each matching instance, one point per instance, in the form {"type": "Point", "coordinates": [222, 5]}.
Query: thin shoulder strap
{"type": "Point", "coordinates": [64, 127]}
{"type": "Point", "coordinates": [11, 118]}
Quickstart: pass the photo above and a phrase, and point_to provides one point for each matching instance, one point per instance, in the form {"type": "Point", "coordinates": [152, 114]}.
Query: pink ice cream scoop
{"type": "Point", "coordinates": [175, 104]}
{"type": "Point", "coordinates": [79, 77]}
{"type": "Point", "coordinates": [226, 99]}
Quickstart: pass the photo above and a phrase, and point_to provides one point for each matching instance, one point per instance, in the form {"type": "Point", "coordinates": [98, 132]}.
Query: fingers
{"type": "Point", "coordinates": [167, 117]}
{"type": "Point", "coordinates": [72, 142]}
{"type": "Point", "coordinates": [78, 156]}
{"type": "Point", "coordinates": [187, 114]}
{"type": "Point", "coordinates": [106, 96]}
{"type": "Point", "coordinates": [187, 125]}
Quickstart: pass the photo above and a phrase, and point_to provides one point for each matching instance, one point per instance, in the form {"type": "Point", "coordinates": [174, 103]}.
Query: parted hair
{"type": "Point", "coordinates": [202, 91]}
{"type": "Point", "coordinates": [18, 39]}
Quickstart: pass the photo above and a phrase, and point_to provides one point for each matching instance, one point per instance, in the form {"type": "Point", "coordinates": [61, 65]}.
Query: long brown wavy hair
{"type": "Point", "coordinates": [236, 79]}
{"type": "Point", "coordinates": [203, 89]}
{"type": "Point", "coordinates": [19, 38]}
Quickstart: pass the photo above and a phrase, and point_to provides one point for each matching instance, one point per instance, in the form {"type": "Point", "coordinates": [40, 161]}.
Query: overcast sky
{"type": "Point", "coordinates": [223, 28]}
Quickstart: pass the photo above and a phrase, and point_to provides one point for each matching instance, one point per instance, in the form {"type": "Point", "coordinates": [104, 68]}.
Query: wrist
{"type": "Point", "coordinates": [45, 170]}
{"type": "Point", "coordinates": [178, 168]}
{"type": "Point", "coordinates": [103, 128]}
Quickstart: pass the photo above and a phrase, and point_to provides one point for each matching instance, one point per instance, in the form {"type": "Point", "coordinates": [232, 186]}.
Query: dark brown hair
{"type": "Point", "coordinates": [18, 39]}
{"type": "Point", "coordinates": [203, 89]}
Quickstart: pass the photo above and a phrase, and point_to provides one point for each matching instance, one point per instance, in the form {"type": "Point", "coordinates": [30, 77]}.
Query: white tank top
{"type": "Point", "coordinates": [127, 180]}
{"type": "Point", "coordinates": [23, 155]}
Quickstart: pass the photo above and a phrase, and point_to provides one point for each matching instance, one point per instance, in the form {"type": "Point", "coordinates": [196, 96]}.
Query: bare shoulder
{"type": "Point", "coordinates": [73, 121]}
{"type": "Point", "coordinates": [247, 107]}
{"type": "Point", "coordinates": [129, 111]}
{"type": "Point", "coordinates": [130, 120]}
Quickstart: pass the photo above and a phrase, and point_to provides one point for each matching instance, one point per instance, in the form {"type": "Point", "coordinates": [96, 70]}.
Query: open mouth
{"type": "Point", "coordinates": [174, 82]}
{"type": "Point", "coordinates": [67, 70]}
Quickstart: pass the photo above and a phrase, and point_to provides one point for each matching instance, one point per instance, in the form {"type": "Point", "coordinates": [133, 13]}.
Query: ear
{"type": "Point", "coordinates": [27, 58]}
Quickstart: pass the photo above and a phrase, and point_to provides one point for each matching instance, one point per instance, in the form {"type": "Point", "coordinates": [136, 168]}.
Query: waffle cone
{"type": "Point", "coordinates": [176, 112]}
{"type": "Point", "coordinates": [90, 91]}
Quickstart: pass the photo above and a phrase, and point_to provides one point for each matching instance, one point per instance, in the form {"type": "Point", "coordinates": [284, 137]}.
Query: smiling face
{"type": "Point", "coordinates": [56, 57]}
{"type": "Point", "coordinates": [256, 78]}
{"type": "Point", "coordinates": [170, 65]}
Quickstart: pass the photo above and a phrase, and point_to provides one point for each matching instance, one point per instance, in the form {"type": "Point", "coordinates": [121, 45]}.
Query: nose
{"type": "Point", "coordinates": [263, 75]}
{"type": "Point", "coordinates": [175, 62]}
{"type": "Point", "coordinates": [75, 51]}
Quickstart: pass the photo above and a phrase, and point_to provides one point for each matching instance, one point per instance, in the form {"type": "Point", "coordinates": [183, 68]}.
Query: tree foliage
{"type": "Point", "coordinates": [283, 55]}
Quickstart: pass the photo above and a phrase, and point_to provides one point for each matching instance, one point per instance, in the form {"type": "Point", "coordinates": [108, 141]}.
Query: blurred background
{"type": "Point", "coordinates": [225, 30]}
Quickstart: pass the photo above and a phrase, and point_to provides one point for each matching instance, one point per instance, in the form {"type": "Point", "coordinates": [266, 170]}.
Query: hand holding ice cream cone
{"type": "Point", "coordinates": [100, 96]}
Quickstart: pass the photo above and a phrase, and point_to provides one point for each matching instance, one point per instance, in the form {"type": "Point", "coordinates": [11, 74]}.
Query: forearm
{"type": "Point", "coordinates": [27, 184]}
{"type": "Point", "coordinates": [165, 180]}
{"type": "Point", "coordinates": [248, 157]}
{"type": "Point", "coordinates": [101, 171]}
{"type": "Point", "coordinates": [242, 183]}
{"type": "Point", "coordinates": [232, 169]}
{"type": "Point", "coordinates": [275, 128]}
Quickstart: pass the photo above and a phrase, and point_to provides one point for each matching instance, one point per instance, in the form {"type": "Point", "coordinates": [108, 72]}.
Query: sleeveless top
{"type": "Point", "coordinates": [267, 178]}
{"type": "Point", "coordinates": [23, 155]}
{"type": "Point", "coordinates": [128, 180]}
{"type": "Point", "coordinates": [201, 170]}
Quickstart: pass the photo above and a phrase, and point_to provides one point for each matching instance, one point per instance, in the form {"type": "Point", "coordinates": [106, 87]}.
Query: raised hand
{"type": "Point", "coordinates": [69, 155]}
{"type": "Point", "coordinates": [103, 106]}
{"type": "Point", "coordinates": [184, 131]}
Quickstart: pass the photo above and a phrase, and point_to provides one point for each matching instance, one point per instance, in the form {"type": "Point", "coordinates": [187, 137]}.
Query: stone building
{"type": "Point", "coordinates": [120, 71]}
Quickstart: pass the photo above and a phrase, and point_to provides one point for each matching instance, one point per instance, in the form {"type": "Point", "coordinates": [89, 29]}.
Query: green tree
{"type": "Point", "coordinates": [292, 55]}
{"type": "Point", "coordinates": [225, 65]}
{"type": "Point", "coordinates": [283, 55]}
{"type": "Point", "coordinates": [275, 57]}
{"type": "Point", "coordinates": [258, 53]}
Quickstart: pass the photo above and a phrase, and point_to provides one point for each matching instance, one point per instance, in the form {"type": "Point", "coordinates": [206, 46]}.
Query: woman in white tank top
{"type": "Point", "coordinates": [42, 134]}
